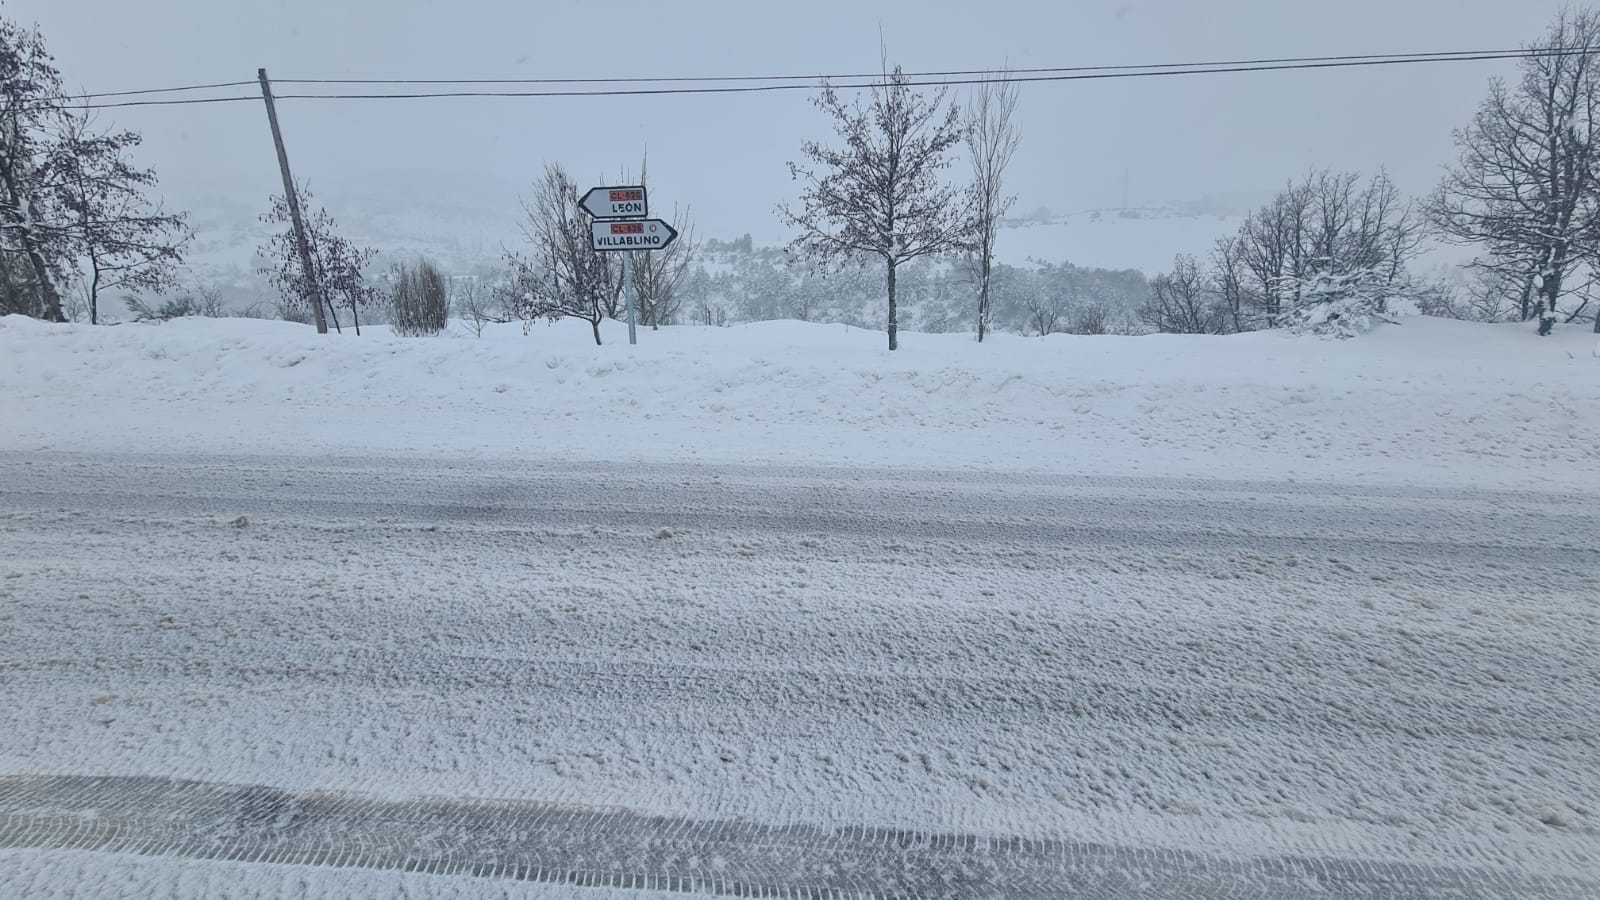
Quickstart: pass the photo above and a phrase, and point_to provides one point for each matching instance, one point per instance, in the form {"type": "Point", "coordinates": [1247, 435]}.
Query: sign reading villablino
{"type": "Point", "coordinates": [645, 234]}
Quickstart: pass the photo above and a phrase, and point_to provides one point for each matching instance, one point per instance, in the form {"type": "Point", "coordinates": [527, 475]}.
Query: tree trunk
{"type": "Point", "coordinates": [595, 324]}
{"type": "Point", "coordinates": [1550, 292]}
{"type": "Point", "coordinates": [983, 293]}
{"type": "Point", "coordinates": [47, 301]}
{"type": "Point", "coordinates": [94, 290]}
{"type": "Point", "coordinates": [894, 323]}
{"type": "Point", "coordinates": [48, 294]}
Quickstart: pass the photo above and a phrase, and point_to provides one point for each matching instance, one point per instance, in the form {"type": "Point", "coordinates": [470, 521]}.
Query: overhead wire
{"type": "Point", "coordinates": [821, 83]}
{"type": "Point", "coordinates": [182, 102]}
{"type": "Point", "coordinates": [169, 90]}
{"type": "Point", "coordinates": [777, 83]}
{"type": "Point", "coordinates": [1435, 56]}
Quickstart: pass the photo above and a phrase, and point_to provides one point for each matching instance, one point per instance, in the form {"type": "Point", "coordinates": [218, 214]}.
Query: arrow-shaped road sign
{"type": "Point", "coordinates": [616, 202]}
{"type": "Point", "coordinates": [649, 234]}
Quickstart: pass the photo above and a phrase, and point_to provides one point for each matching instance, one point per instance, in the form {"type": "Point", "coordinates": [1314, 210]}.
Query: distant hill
{"type": "Point", "coordinates": [465, 220]}
{"type": "Point", "coordinates": [1143, 239]}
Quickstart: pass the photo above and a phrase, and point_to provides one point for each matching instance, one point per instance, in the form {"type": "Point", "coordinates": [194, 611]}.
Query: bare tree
{"type": "Point", "coordinates": [1183, 301]}
{"type": "Point", "coordinates": [1272, 248]}
{"type": "Point", "coordinates": [208, 302]}
{"type": "Point", "coordinates": [1228, 263]}
{"type": "Point", "coordinates": [125, 241]}
{"type": "Point", "coordinates": [1524, 186]}
{"type": "Point", "coordinates": [336, 262]}
{"type": "Point", "coordinates": [658, 275]}
{"type": "Point", "coordinates": [32, 263]}
{"type": "Point", "coordinates": [881, 195]}
{"type": "Point", "coordinates": [709, 313]}
{"type": "Point", "coordinates": [1047, 305]}
{"type": "Point", "coordinates": [476, 304]}
{"type": "Point", "coordinates": [561, 276]}
{"type": "Point", "coordinates": [991, 140]}
{"type": "Point", "coordinates": [1328, 224]}
{"type": "Point", "coordinates": [69, 197]}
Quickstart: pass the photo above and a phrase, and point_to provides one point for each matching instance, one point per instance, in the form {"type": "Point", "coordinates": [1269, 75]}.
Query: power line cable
{"type": "Point", "coordinates": [1087, 73]}
{"type": "Point", "coordinates": [170, 90]}
{"type": "Point", "coordinates": [184, 102]}
{"type": "Point", "coordinates": [1434, 56]}
{"type": "Point", "coordinates": [942, 82]}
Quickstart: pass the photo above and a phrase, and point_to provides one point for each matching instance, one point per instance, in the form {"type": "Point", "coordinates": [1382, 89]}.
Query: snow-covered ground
{"type": "Point", "coordinates": [1320, 610]}
{"type": "Point", "coordinates": [1427, 402]}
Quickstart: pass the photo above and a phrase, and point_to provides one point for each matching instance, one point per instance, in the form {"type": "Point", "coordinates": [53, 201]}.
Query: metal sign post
{"type": "Point", "coordinates": [627, 288]}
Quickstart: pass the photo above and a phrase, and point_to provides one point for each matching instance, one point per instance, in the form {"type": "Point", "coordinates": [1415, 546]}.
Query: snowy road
{"type": "Point", "coordinates": [795, 681]}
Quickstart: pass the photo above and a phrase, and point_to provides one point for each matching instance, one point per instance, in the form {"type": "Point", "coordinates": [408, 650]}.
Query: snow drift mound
{"type": "Point", "coordinates": [1425, 402]}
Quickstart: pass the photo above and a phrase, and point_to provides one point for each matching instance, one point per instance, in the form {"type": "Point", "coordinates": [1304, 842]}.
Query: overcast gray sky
{"type": "Point", "coordinates": [1179, 138]}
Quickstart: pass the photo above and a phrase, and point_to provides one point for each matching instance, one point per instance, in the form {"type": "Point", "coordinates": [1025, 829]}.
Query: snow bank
{"type": "Point", "coordinates": [1426, 402]}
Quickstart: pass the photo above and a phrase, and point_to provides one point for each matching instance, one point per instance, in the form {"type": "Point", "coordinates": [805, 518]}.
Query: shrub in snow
{"type": "Point", "coordinates": [288, 312]}
{"type": "Point", "coordinates": [175, 308]}
{"type": "Point", "coordinates": [1339, 305]}
{"type": "Point", "coordinates": [207, 301]}
{"type": "Point", "coordinates": [420, 303]}
{"type": "Point", "coordinates": [257, 310]}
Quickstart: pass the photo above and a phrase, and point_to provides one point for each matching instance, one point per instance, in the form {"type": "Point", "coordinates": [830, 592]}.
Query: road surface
{"type": "Point", "coordinates": [790, 683]}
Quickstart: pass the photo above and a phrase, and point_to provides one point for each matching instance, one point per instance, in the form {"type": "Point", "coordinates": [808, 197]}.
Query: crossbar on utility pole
{"type": "Point", "coordinates": [301, 245]}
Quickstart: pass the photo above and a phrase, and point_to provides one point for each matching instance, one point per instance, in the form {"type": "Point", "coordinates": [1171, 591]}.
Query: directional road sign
{"type": "Point", "coordinates": [647, 234]}
{"type": "Point", "coordinates": [616, 202]}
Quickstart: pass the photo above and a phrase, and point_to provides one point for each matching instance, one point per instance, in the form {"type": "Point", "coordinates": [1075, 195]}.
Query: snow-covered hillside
{"type": "Point", "coordinates": [1146, 239]}
{"type": "Point", "coordinates": [1142, 239]}
{"type": "Point", "coordinates": [466, 225]}
{"type": "Point", "coordinates": [1425, 402]}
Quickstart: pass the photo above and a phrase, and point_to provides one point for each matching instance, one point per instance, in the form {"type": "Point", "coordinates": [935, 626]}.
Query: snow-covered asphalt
{"type": "Point", "coordinates": [799, 681]}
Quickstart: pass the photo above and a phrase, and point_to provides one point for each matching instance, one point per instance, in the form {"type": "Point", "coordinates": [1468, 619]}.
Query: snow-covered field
{"type": "Point", "coordinates": [1255, 616]}
{"type": "Point", "coordinates": [1429, 402]}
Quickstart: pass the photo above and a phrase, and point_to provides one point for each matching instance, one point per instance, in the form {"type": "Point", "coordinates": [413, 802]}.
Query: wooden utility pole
{"type": "Point", "coordinates": [294, 205]}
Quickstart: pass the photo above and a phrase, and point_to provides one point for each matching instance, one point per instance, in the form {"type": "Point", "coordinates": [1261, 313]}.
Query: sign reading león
{"type": "Point", "coordinates": [626, 202]}
{"type": "Point", "coordinates": [646, 234]}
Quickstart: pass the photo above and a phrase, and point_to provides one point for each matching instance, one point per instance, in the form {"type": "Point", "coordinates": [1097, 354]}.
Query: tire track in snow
{"type": "Point", "coordinates": [612, 848]}
{"type": "Point", "coordinates": [1367, 674]}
